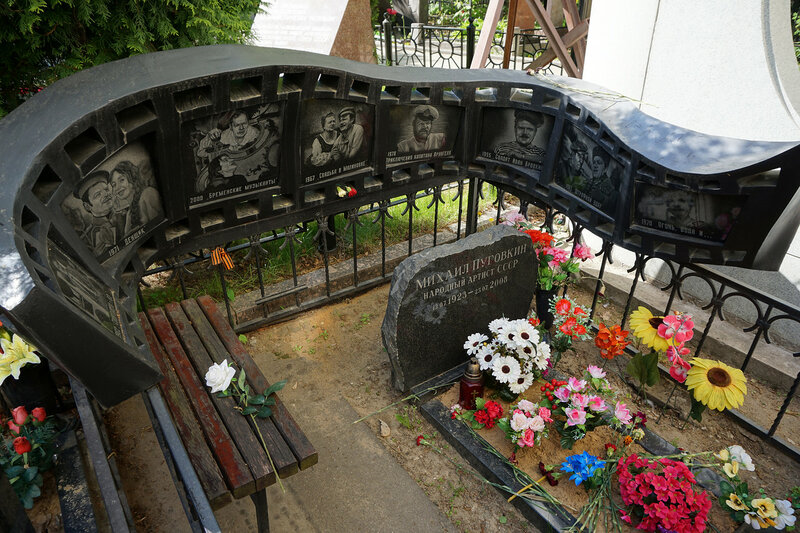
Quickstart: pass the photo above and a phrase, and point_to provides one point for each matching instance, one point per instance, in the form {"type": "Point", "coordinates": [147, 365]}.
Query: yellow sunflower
{"type": "Point", "coordinates": [645, 327]}
{"type": "Point", "coordinates": [716, 385]}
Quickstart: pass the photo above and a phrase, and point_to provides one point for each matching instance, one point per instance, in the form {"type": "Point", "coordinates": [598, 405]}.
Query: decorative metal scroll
{"type": "Point", "coordinates": [137, 161]}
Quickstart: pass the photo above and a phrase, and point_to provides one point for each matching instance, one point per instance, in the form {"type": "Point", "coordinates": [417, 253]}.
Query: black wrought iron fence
{"type": "Point", "coordinates": [357, 274]}
{"type": "Point", "coordinates": [453, 47]}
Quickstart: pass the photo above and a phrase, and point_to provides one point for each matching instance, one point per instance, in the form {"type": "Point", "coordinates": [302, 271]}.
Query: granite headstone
{"type": "Point", "coordinates": [442, 295]}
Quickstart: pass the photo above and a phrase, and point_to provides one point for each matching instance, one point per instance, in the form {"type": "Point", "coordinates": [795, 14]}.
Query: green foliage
{"type": "Point", "coordinates": [24, 471]}
{"type": "Point", "coordinates": [644, 368]}
{"type": "Point", "coordinates": [44, 41]}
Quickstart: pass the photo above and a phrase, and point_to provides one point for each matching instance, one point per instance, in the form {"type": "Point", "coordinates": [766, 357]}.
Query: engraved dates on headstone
{"type": "Point", "coordinates": [442, 295]}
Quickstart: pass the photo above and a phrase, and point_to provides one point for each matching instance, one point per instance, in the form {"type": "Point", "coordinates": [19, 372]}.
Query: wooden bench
{"type": "Point", "coordinates": [224, 449]}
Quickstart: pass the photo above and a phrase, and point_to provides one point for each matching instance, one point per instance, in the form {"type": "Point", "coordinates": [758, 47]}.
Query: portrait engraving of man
{"type": "Point", "coordinates": [516, 136]}
{"type": "Point", "coordinates": [116, 203]}
{"type": "Point", "coordinates": [234, 154]}
{"type": "Point", "coordinates": [421, 132]}
{"type": "Point", "coordinates": [337, 138]}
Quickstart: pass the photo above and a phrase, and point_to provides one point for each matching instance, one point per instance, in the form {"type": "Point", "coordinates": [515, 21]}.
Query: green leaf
{"type": "Point", "coordinates": [231, 295]}
{"type": "Point", "coordinates": [275, 387]}
{"type": "Point", "coordinates": [257, 400]}
{"type": "Point", "coordinates": [270, 401]}
{"type": "Point", "coordinates": [697, 410]}
{"type": "Point", "coordinates": [264, 412]}
{"type": "Point", "coordinates": [27, 501]}
{"type": "Point", "coordinates": [243, 338]}
{"type": "Point", "coordinates": [644, 368]}
{"type": "Point", "coordinates": [480, 403]}
{"type": "Point", "coordinates": [30, 473]}
{"type": "Point", "coordinates": [502, 519]}
{"type": "Point", "coordinates": [725, 488]}
{"type": "Point", "coordinates": [567, 442]}
{"type": "Point", "coordinates": [249, 410]}
{"type": "Point", "coordinates": [14, 471]}
{"type": "Point", "coordinates": [241, 379]}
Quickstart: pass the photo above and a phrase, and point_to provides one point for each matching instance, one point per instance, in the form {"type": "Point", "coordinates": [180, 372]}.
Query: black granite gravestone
{"type": "Point", "coordinates": [442, 295]}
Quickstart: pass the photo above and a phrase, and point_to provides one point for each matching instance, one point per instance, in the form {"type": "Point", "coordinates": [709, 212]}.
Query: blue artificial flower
{"type": "Point", "coordinates": [582, 466]}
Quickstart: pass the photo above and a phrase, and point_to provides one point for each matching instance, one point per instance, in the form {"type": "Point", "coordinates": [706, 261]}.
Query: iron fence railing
{"type": "Point", "coordinates": [768, 310]}
{"type": "Point", "coordinates": [453, 47]}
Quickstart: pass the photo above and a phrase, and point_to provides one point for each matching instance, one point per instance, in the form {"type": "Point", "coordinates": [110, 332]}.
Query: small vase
{"type": "Point", "coordinates": [34, 388]}
{"type": "Point", "coordinates": [543, 306]}
{"type": "Point", "coordinates": [502, 389]}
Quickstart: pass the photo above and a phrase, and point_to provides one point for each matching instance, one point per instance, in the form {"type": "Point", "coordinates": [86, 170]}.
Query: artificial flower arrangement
{"type": "Point", "coordinates": [526, 424]}
{"type": "Point", "coordinates": [15, 353]}
{"type": "Point", "coordinates": [513, 357]}
{"type": "Point", "coordinates": [557, 266]}
{"type": "Point", "coordinates": [485, 415]}
{"type": "Point", "coordinates": [756, 509]}
{"type": "Point", "coordinates": [578, 406]}
{"type": "Point", "coordinates": [713, 383]}
{"type": "Point", "coordinates": [571, 323]}
{"type": "Point", "coordinates": [27, 451]}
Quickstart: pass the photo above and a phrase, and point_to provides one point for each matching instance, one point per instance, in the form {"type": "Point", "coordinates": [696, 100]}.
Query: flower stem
{"type": "Point", "coordinates": [264, 444]}
{"type": "Point", "coordinates": [409, 397]}
{"type": "Point", "coordinates": [666, 404]}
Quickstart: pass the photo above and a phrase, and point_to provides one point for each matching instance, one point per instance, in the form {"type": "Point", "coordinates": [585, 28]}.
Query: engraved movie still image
{"type": "Point", "coordinates": [234, 154]}
{"type": "Point", "coordinates": [704, 216]}
{"type": "Point", "coordinates": [421, 132]}
{"type": "Point", "coordinates": [83, 290]}
{"type": "Point", "coordinates": [515, 136]}
{"type": "Point", "coordinates": [337, 138]}
{"type": "Point", "coordinates": [588, 171]}
{"type": "Point", "coordinates": [116, 203]}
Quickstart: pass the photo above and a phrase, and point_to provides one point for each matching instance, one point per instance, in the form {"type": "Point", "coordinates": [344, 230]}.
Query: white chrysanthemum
{"type": "Point", "coordinates": [505, 369]}
{"type": "Point", "coordinates": [526, 352]}
{"type": "Point", "coordinates": [524, 333]}
{"type": "Point", "coordinates": [486, 356]}
{"type": "Point", "coordinates": [521, 384]}
{"type": "Point", "coordinates": [742, 457]}
{"type": "Point", "coordinates": [543, 355]}
{"type": "Point", "coordinates": [497, 325]}
{"type": "Point", "coordinates": [474, 342]}
{"type": "Point", "coordinates": [507, 337]}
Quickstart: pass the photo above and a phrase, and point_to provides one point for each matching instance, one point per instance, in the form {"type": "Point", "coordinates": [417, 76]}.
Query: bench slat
{"type": "Point", "coordinates": [192, 435]}
{"type": "Point", "coordinates": [234, 468]}
{"type": "Point", "coordinates": [241, 432]}
{"type": "Point", "coordinates": [282, 456]}
{"type": "Point", "coordinates": [294, 436]}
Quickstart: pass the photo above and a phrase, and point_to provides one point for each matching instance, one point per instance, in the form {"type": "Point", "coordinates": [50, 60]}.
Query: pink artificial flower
{"type": "Point", "coordinates": [576, 385]}
{"type": "Point", "coordinates": [624, 517]}
{"type": "Point", "coordinates": [525, 405]}
{"type": "Point", "coordinates": [679, 369]}
{"type": "Point", "coordinates": [677, 351]}
{"type": "Point", "coordinates": [544, 412]}
{"type": "Point", "coordinates": [562, 393]}
{"type": "Point", "coordinates": [579, 400]}
{"type": "Point", "coordinates": [596, 372]}
{"type": "Point", "coordinates": [536, 423]}
{"type": "Point", "coordinates": [622, 413]}
{"type": "Point", "coordinates": [597, 404]}
{"type": "Point", "coordinates": [513, 218]}
{"type": "Point", "coordinates": [559, 256]}
{"type": "Point", "coordinates": [582, 252]}
{"type": "Point", "coordinates": [575, 416]}
{"type": "Point", "coordinates": [679, 326]}
{"type": "Point", "coordinates": [528, 439]}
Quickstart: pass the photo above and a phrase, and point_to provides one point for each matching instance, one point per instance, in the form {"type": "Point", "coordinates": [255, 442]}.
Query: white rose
{"type": "Point", "coordinates": [536, 423]}
{"type": "Point", "coordinates": [219, 376]}
{"type": "Point", "coordinates": [519, 422]}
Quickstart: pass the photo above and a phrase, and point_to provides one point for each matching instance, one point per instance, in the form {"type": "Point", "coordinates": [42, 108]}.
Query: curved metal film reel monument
{"type": "Point", "coordinates": [134, 161]}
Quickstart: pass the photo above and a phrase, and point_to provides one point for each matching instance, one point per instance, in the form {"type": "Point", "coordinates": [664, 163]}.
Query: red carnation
{"type": "Point", "coordinates": [20, 415]}
{"type": "Point", "coordinates": [494, 409]}
{"type": "Point", "coordinates": [39, 414]}
{"type": "Point", "coordinates": [563, 306]}
{"type": "Point", "coordinates": [391, 11]}
{"type": "Point", "coordinates": [482, 417]}
{"type": "Point", "coordinates": [420, 438]}
{"type": "Point", "coordinates": [352, 192]}
{"type": "Point", "coordinates": [22, 445]}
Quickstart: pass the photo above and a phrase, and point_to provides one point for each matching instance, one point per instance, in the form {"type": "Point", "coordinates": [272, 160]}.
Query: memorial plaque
{"type": "Point", "coordinates": [422, 132]}
{"type": "Point", "coordinates": [588, 171]}
{"type": "Point", "coordinates": [515, 136]}
{"type": "Point", "coordinates": [703, 216]}
{"type": "Point", "coordinates": [337, 138]}
{"type": "Point", "coordinates": [84, 291]}
{"type": "Point", "coordinates": [442, 295]}
{"type": "Point", "coordinates": [234, 154]}
{"type": "Point", "coordinates": [117, 203]}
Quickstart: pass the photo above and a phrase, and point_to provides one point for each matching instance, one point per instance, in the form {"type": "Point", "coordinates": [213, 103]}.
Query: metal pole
{"type": "Point", "coordinates": [470, 41]}
{"type": "Point", "coordinates": [387, 32]}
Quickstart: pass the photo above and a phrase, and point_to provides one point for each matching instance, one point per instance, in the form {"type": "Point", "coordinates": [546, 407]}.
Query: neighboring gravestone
{"type": "Point", "coordinates": [442, 295]}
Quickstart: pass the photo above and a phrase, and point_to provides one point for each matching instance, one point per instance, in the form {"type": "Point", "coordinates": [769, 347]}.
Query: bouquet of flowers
{"type": "Point", "coordinates": [514, 356]}
{"type": "Point", "coordinates": [758, 510]}
{"type": "Point", "coordinates": [584, 467]}
{"type": "Point", "coordinates": [578, 406]}
{"type": "Point", "coordinates": [661, 493]}
{"type": "Point", "coordinates": [486, 414]}
{"type": "Point", "coordinates": [557, 266]}
{"type": "Point", "coordinates": [526, 424]}
{"type": "Point", "coordinates": [27, 451]}
{"type": "Point", "coordinates": [15, 353]}
{"type": "Point", "coordinates": [570, 321]}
